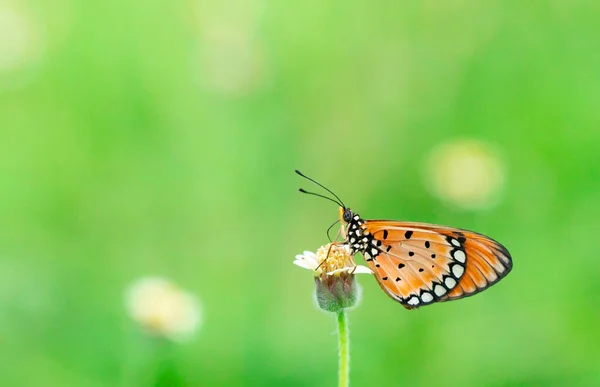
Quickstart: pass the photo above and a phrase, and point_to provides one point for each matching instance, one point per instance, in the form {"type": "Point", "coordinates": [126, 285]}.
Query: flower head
{"type": "Point", "coordinates": [162, 308]}
{"type": "Point", "coordinates": [334, 269]}
{"type": "Point", "coordinates": [339, 260]}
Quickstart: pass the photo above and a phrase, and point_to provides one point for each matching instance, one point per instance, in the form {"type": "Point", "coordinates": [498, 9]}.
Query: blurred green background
{"type": "Point", "coordinates": [160, 138]}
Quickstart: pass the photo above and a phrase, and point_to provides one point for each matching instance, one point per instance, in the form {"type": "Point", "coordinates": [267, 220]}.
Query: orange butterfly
{"type": "Point", "coordinates": [418, 264]}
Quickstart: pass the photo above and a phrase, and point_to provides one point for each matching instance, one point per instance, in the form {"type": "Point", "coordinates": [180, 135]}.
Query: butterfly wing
{"type": "Point", "coordinates": [418, 264]}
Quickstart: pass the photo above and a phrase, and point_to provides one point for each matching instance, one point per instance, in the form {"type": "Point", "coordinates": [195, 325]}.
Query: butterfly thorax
{"type": "Point", "coordinates": [358, 238]}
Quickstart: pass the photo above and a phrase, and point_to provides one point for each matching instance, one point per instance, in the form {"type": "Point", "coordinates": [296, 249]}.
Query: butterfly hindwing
{"type": "Point", "coordinates": [418, 264]}
{"type": "Point", "coordinates": [487, 263]}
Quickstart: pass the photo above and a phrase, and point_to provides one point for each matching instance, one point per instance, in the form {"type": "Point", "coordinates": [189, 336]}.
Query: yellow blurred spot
{"type": "Point", "coordinates": [19, 38]}
{"type": "Point", "coordinates": [232, 61]}
{"type": "Point", "coordinates": [466, 173]}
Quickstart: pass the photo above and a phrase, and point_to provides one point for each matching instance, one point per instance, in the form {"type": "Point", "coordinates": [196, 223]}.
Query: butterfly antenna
{"type": "Point", "coordinates": [340, 202]}
{"type": "Point", "coordinates": [321, 196]}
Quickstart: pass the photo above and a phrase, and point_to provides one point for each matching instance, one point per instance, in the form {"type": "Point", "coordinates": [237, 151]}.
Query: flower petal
{"type": "Point", "coordinates": [306, 264]}
{"type": "Point", "coordinates": [337, 271]}
{"type": "Point", "coordinates": [360, 269]}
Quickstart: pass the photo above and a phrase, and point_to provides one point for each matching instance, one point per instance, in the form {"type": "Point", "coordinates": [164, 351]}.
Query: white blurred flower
{"type": "Point", "coordinates": [19, 38]}
{"type": "Point", "coordinates": [162, 308]}
{"type": "Point", "coordinates": [467, 173]}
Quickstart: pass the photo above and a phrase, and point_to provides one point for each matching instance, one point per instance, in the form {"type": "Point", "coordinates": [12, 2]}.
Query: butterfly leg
{"type": "Point", "coordinates": [353, 267]}
{"type": "Point", "coordinates": [327, 256]}
{"type": "Point", "coordinates": [350, 273]}
{"type": "Point", "coordinates": [330, 246]}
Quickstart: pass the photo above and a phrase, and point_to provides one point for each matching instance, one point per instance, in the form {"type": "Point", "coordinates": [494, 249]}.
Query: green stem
{"type": "Point", "coordinates": [344, 336]}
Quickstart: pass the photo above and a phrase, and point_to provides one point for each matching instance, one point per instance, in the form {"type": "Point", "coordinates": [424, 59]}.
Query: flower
{"type": "Point", "coordinates": [334, 269]}
{"type": "Point", "coordinates": [338, 261]}
{"type": "Point", "coordinates": [162, 308]}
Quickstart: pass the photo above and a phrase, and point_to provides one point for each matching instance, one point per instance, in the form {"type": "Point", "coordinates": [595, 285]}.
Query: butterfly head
{"type": "Point", "coordinates": [346, 215]}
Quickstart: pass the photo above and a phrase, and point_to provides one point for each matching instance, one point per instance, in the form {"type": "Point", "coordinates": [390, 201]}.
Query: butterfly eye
{"type": "Point", "coordinates": [347, 215]}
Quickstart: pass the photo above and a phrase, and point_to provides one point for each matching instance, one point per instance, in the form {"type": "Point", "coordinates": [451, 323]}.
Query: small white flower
{"type": "Point", "coordinates": [339, 260]}
{"type": "Point", "coordinates": [333, 267]}
{"type": "Point", "coordinates": [162, 308]}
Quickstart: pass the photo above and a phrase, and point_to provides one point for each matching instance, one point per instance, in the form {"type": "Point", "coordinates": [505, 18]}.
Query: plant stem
{"type": "Point", "coordinates": [344, 337]}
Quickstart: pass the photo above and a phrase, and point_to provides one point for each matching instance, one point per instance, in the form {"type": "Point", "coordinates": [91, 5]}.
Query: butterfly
{"type": "Point", "coordinates": [419, 264]}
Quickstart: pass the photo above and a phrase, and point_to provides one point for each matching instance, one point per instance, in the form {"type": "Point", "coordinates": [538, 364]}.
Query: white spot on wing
{"type": "Point", "coordinates": [426, 297]}
{"type": "Point", "coordinates": [439, 290]}
{"type": "Point", "coordinates": [374, 251]}
{"type": "Point", "coordinates": [455, 242]}
{"type": "Point", "coordinates": [358, 233]}
{"type": "Point", "coordinates": [460, 256]}
{"type": "Point", "coordinates": [458, 270]}
{"type": "Point", "coordinates": [413, 301]}
{"type": "Point", "coordinates": [450, 282]}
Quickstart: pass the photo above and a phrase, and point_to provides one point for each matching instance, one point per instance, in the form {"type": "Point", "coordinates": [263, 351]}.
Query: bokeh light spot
{"type": "Point", "coordinates": [466, 173]}
{"type": "Point", "coordinates": [232, 62]}
{"type": "Point", "coordinates": [161, 308]}
{"type": "Point", "coordinates": [19, 39]}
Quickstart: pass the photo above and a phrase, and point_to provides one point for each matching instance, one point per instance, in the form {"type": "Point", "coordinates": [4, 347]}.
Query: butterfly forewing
{"type": "Point", "coordinates": [417, 263]}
